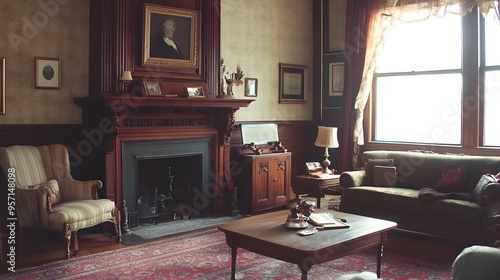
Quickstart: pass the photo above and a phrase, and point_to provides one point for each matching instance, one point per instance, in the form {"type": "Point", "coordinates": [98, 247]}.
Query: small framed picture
{"type": "Point", "coordinates": [250, 87]}
{"type": "Point", "coordinates": [293, 83]}
{"type": "Point", "coordinates": [195, 92]}
{"type": "Point", "coordinates": [47, 72]}
{"type": "Point", "coordinates": [336, 86]}
{"type": "Point", "coordinates": [2, 85]}
{"type": "Point", "coordinates": [151, 88]}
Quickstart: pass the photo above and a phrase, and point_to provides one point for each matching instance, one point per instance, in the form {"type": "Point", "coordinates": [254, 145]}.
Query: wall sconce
{"type": "Point", "coordinates": [126, 78]}
{"type": "Point", "coordinates": [327, 138]}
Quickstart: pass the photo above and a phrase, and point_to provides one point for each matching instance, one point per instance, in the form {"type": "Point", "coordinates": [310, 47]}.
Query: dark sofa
{"type": "Point", "coordinates": [414, 201]}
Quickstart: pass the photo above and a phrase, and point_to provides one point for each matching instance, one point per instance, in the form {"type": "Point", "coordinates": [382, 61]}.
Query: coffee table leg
{"type": "Point", "coordinates": [380, 253]}
{"type": "Point", "coordinates": [234, 253]}
{"type": "Point", "coordinates": [304, 272]}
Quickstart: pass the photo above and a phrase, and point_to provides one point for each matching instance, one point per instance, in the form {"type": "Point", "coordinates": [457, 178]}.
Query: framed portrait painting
{"type": "Point", "coordinates": [170, 37]}
{"type": "Point", "coordinates": [293, 83]}
{"type": "Point", "coordinates": [47, 73]}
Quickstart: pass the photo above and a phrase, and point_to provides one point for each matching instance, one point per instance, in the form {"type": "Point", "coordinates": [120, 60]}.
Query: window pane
{"type": "Point", "coordinates": [419, 108]}
{"type": "Point", "coordinates": [492, 41]}
{"type": "Point", "coordinates": [491, 129]}
{"type": "Point", "coordinates": [423, 45]}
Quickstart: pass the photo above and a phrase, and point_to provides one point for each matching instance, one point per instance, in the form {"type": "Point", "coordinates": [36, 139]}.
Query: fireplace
{"type": "Point", "coordinates": [189, 137]}
{"type": "Point", "coordinates": [167, 179]}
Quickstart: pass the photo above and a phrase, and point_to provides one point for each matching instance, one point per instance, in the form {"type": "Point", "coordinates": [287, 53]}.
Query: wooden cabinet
{"type": "Point", "coordinates": [263, 181]}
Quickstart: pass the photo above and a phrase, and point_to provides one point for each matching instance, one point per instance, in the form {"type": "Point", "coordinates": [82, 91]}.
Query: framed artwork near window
{"type": "Point", "coordinates": [250, 87]}
{"type": "Point", "coordinates": [292, 83]}
{"type": "Point", "coordinates": [47, 73]}
{"type": "Point", "coordinates": [170, 37]}
{"type": "Point", "coordinates": [336, 81]}
{"type": "Point", "coordinates": [2, 85]}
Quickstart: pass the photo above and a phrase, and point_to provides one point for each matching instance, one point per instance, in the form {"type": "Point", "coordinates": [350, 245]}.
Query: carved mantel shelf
{"type": "Point", "coordinates": [117, 102]}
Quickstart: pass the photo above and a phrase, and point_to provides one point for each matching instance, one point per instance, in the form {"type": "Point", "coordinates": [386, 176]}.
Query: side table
{"type": "Point", "coordinates": [315, 186]}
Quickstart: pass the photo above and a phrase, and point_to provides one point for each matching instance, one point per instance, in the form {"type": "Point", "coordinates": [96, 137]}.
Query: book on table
{"type": "Point", "coordinates": [326, 220]}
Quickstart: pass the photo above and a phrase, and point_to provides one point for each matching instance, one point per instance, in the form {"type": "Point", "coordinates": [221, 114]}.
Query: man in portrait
{"type": "Point", "coordinates": [165, 46]}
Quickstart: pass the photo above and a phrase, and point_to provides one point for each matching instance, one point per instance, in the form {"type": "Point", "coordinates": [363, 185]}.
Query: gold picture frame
{"type": "Point", "coordinates": [182, 50]}
{"type": "Point", "coordinates": [151, 87]}
{"type": "Point", "coordinates": [2, 85]}
{"type": "Point", "coordinates": [293, 83]}
{"type": "Point", "coordinates": [47, 73]}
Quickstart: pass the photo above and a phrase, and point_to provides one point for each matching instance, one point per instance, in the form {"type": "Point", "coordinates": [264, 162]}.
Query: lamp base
{"type": "Point", "coordinates": [325, 165]}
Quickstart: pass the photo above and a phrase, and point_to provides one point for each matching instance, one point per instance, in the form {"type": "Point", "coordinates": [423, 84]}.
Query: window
{"type": "Point", "coordinates": [491, 89]}
{"type": "Point", "coordinates": [420, 85]}
{"type": "Point", "coordinates": [418, 82]}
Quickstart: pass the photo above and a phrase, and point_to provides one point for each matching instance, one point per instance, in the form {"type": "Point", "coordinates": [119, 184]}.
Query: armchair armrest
{"type": "Point", "coordinates": [350, 179]}
{"type": "Point", "coordinates": [79, 190]}
{"type": "Point", "coordinates": [36, 207]}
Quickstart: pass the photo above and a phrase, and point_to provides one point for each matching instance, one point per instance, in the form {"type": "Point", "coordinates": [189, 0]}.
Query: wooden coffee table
{"type": "Point", "coordinates": [267, 235]}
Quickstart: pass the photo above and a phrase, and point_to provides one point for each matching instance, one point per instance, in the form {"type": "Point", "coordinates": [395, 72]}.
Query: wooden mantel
{"type": "Point", "coordinates": [159, 101]}
{"type": "Point", "coordinates": [127, 117]}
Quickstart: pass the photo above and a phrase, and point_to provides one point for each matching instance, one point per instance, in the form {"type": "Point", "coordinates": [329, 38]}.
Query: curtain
{"type": "Point", "coordinates": [361, 20]}
{"type": "Point", "coordinates": [367, 24]}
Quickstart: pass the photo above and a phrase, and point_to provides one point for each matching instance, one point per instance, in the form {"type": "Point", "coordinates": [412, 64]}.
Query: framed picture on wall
{"type": "Point", "coordinates": [47, 73]}
{"type": "Point", "coordinates": [336, 83]}
{"type": "Point", "coordinates": [292, 83]}
{"type": "Point", "coordinates": [170, 37]}
{"type": "Point", "coordinates": [250, 87]}
{"type": "Point", "coordinates": [2, 85]}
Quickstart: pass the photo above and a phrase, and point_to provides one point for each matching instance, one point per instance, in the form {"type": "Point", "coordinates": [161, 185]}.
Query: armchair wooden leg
{"type": "Point", "coordinates": [67, 237]}
{"type": "Point", "coordinates": [75, 243]}
{"type": "Point", "coordinates": [116, 222]}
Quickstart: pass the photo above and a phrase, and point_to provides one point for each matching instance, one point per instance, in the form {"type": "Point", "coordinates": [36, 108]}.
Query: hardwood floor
{"type": "Point", "coordinates": [41, 247]}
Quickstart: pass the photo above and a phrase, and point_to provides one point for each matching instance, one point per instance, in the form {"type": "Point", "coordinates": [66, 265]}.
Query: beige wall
{"type": "Point", "coordinates": [44, 28]}
{"type": "Point", "coordinates": [260, 34]}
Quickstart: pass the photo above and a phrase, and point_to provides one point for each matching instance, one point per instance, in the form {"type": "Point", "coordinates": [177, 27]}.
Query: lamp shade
{"type": "Point", "coordinates": [126, 76]}
{"type": "Point", "coordinates": [327, 137]}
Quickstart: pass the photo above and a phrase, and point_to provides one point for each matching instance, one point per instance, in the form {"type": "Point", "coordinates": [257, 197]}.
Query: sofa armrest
{"type": "Point", "coordinates": [33, 207]}
{"type": "Point", "coordinates": [80, 190]}
{"type": "Point", "coordinates": [352, 178]}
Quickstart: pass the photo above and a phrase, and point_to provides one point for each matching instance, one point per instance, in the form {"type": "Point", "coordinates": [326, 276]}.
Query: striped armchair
{"type": "Point", "coordinates": [47, 196]}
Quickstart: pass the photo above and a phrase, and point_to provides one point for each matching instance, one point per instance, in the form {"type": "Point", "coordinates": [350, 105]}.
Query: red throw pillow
{"type": "Point", "coordinates": [453, 180]}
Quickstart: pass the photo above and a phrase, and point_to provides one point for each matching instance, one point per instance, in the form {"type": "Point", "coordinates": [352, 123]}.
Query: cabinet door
{"type": "Point", "coordinates": [262, 182]}
{"type": "Point", "coordinates": [281, 180]}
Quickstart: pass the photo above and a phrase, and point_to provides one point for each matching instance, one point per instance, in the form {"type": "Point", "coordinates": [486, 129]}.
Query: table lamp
{"type": "Point", "coordinates": [327, 138]}
{"type": "Point", "coordinates": [126, 78]}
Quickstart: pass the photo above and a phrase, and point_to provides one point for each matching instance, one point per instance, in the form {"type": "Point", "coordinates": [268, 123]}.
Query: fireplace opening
{"type": "Point", "coordinates": [166, 187]}
{"type": "Point", "coordinates": [166, 180]}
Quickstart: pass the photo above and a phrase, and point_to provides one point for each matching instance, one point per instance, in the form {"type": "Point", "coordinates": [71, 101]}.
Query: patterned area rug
{"type": "Point", "coordinates": [205, 255]}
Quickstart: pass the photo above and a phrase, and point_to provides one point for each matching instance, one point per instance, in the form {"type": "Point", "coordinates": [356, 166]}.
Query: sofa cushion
{"type": "Point", "coordinates": [454, 179]}
{"type": "Point", "coordinates": [371, 164]}
{"type": "Point", "coordinates": [384, 176]}
{"type": "Point", "coordinates": [406, 202]}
